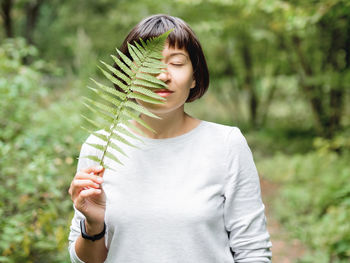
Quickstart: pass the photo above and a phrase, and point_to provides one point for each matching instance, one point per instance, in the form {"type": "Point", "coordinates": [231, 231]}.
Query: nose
{"type": "Point", "coordinates": [164, 75]}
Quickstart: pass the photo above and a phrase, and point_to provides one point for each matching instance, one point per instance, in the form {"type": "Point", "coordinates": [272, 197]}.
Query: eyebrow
{"type": "Point", "coordinates": [178, 53]}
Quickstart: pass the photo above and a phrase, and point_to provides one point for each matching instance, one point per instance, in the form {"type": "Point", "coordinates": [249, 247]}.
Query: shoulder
{"type": "Point", "coordinates": [229, 139]}
{"type": "Point", "coordinates": [232, 135]}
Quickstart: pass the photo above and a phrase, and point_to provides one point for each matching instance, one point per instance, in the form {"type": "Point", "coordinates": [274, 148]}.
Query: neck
{"type": "Point", "coordinates": [170, 125]}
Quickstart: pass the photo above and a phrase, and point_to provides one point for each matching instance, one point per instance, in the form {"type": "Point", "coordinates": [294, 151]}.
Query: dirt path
{"type": "Point", "coordinates": [284, 249]}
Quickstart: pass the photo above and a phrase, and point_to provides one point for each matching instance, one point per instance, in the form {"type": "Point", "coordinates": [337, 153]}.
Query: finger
{"type": "Point", "coordinates": [89, 192]}
{"type": "Point", "coordinates": [93, 169]}
{"type": "Point", "coordinates": [85, 194]}
{"type": "Point", "coordinates": [83, 175]}
{"type": "Point", "coordinates": [85, 183]}
{"type": "Point", "coordinates": [78, 185]}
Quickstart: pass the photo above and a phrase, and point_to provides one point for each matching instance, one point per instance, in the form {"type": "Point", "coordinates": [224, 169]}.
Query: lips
{"type": "Point", "coordinates": [163, 92]}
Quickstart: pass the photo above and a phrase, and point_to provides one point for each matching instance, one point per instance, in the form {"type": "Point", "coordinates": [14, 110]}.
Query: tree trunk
{"type": "Point", "coordinates": [339, 40]}
{"type": "Point", "coordinates": [248, 84]}
{"type": "Point", "coordinates": [267, 103]}
{"type": "Point", "coordinates": [312, 92]}
{"type": "Point", "coordinates": [336, 105]}
{"type": "Point", "coordinates": [6, 7]}
{"type": "Point", "coordinates": [32, 14]}
{"type": "Point", "coordinates": [232, 95]}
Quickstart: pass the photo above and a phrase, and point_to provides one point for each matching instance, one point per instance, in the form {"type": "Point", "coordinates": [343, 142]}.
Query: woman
{"type": "Point", "coordinates": [189, 193]}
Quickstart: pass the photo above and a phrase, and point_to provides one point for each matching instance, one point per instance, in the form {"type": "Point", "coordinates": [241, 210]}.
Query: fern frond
{"type": "Point", "coordinates": [134, 55]}
{"type": "Point", "coordinates": [106, 117]}
{"type": "Point", "coordinates": [134, 76]}
{"type": "Point", "coordinates": [115, 80]}
{"type": "Point", "coordinates": [116, 72]}
{"type": "Point", "coordinates": [110, 90]}
{"type": "Point", "coordinates": [153, 65]}
{"type": "Point", "coordinates": [108, 154]}
{"type": "Point", "coordinates": [135, 117]}
{"type": "Point", "coordinates": [121, 65]}
{"type": "Point", "coordinates": [99, 105]}
{"type": "Point", "coordinates": [122, 139]}
{"type": "Point", "coordinates": [140, 109]}
{"type": "Point", "coordinates": [124, 131]}
{"type": "Point", "coordinates": [92, 157]}
{"type": "Point", "coordinates": [97, 146]}
{"type": "Point", "coordinates": [151, 70]}
{"type": "Point", "coordinates": [106, 96]}
{"type": "Point", "coordinates": [147, 92]}
{"type": "Point", "coordinates": [127, 60]}
{"type": "Point", "coordinates": [146, 83]}
{"type": "Point", "coordinates": [96, 134]}
{"type": "Point", "coordinates": [138, 52]}
{"type": "Point", "coordinates": [152, 79]}
{"type": "Point", "coordinates": [110, 168]}
{"type": "Point", "coordinates": [112, 157]}
{"type": "Point", "coordinates": [139, 47]}
{"type": "Point", "coordinates": [117, 148]}
{"type": "Point", "coordinates": [95, 124]}
{"type": "Point", "coordinates": [145, 98]}
{"type": "Point", "coordinates": [132, 126]}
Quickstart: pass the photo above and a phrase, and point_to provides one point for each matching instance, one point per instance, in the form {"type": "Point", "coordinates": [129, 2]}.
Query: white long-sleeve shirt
{"type": "Point", "coordinates": [187, 199]}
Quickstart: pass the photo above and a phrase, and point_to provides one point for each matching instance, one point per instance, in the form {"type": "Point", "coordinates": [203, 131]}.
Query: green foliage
{"type": "Point", "coordinates": [266, 44]}
{"type": "Point", "coordinates": [18, 81]}
{"type": "Point", "coordinates": [36, 163]}
{"type": "Point", "coordinates": [135, 78]}
{"type": "Point", "coordinates": [314, 202]}
{"type": "Point", "coordinates": [36, 170]}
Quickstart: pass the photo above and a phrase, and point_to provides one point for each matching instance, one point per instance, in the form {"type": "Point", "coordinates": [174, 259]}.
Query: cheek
{"type": "Point", "coordinates": [184, 78]}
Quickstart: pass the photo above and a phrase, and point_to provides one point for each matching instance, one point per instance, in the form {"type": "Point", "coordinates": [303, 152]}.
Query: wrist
{"type": "Point", "coordinates": [93, 233]}
{"type": "Point", "coordinates": [93, 228]}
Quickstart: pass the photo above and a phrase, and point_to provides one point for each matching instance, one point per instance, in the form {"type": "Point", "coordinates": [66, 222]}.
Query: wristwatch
{"type": "Point", "coordinates": [94, 237]}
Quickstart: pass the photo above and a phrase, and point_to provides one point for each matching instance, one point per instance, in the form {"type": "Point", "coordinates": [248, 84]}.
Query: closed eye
{"type": "Point", "coordinates": [177, 64]}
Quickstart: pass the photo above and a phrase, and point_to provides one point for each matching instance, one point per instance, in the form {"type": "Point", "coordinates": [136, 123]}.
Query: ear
{"type": "Point", "coordinates": [193, 84]}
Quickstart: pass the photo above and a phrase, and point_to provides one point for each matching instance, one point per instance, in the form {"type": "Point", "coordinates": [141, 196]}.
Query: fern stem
{"type": "Point", "coordinates": [115, 121]}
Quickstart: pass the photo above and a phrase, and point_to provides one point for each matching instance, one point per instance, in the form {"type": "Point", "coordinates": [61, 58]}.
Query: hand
{"type": "Point", "coordinates": [89, 198]}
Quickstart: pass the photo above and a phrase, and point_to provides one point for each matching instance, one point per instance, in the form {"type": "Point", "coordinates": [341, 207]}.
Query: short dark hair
{"type": "Point", "coordinates": [181, 37]}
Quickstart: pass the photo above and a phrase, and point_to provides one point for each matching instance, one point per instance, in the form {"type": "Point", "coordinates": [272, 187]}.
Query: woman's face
{"type": "Point", "coordinates": [179, 78]}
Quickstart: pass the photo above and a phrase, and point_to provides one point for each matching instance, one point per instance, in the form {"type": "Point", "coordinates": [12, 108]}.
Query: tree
{"type": "Point", "coordinates": [318, 36]}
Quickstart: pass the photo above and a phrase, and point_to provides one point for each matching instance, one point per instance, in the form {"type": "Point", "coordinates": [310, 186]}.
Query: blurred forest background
{"type": "Point", "coordinates": [280, 70]}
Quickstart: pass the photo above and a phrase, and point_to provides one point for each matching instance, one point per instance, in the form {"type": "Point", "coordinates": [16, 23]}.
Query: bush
{"type": "Point", "coordinates": [38, 150]}
{"type": "Point", "coordinates": [20, 88]}
{"type": "Point", "coordinates": [314, 201]}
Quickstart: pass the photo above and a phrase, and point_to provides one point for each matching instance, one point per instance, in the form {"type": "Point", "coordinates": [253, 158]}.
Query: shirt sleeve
{"type": "Point", "coordinates": [75, 225]}
{"type": "Point", "coordinates": [244, 216]}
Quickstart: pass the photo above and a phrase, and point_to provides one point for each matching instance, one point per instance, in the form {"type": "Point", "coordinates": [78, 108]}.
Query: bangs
{"type": "Point", "coordinates": [179, 39]}
{"type": "Point", "coordinates": [154, 26]}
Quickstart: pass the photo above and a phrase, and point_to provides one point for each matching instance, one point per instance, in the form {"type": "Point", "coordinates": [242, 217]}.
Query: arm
{"type": "Point", "coordinates": [82, 250]}
{"type": "Point", "coordinates": [243, 210]}
{"type": "Point", "coordinates": [89, 203]}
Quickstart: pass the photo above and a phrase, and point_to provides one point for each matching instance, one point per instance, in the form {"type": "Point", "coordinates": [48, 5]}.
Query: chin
{"type": "Point", "coordinates": [164, 109]}
{"type": "Point", "coordinates": [161, 111]}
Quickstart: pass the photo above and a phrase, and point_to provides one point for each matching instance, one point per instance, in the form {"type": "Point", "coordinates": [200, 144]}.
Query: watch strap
{"type": "Point", "coordinates": [94, 237]}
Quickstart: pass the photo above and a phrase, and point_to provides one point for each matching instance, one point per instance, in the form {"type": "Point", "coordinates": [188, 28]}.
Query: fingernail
{"type": "Point", "coordinates": [100, 167]}
{"type": "Point", "coordinates": [99, 179]}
